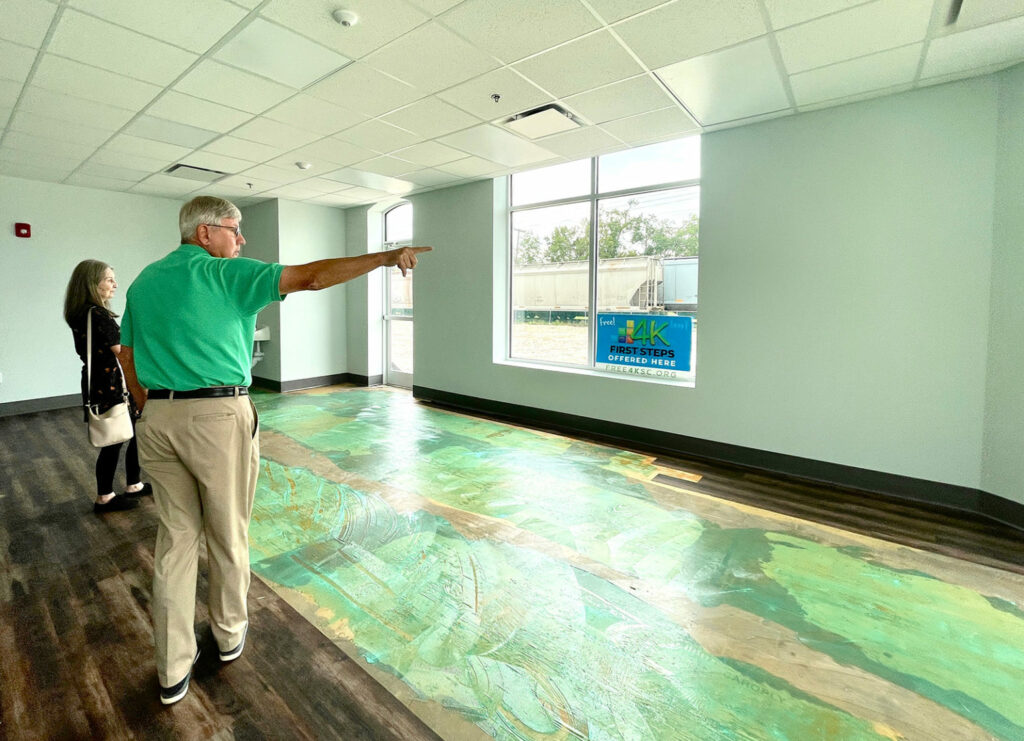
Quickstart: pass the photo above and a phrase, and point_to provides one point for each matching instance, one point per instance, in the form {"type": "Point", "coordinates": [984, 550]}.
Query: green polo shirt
{"type": "Point", "coordinates": [190, 318]}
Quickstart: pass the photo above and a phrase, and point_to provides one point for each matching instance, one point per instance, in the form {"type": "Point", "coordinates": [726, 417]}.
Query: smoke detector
{"type": "Point", "coordinates": [345, 18]}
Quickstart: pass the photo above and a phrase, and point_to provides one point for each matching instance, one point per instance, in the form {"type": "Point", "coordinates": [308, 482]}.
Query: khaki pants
{"type": "Point", "coordinates": [202, 457]}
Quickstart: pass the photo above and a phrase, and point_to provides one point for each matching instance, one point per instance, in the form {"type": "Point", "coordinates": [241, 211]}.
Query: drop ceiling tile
{"type": "Point", "coordinates": [314, 114]}
{"type": "Point", "coordinates": [219, 83]}
{"type": "Point", "coordinates": [365, 90]}
{"type": "Point", "coordinates": [5, 113]}
{"type": "Point", "coordinates": [852, 33]}
{"type": "Point", "coordinates": [316, 167]}
{"type": "Point", "coordinates": [242, 148]}
{"type": "Point", "coordinates": [85, 81]}
{"type": "Point", "coordinates": [496, 145]}
{"type": "Point", "coordinates": [15, 61]}
{"type": "Point", "coordinates": [431, 58]}
{"type": "Point", "coordinates": [380, 21]}
{"type": "Point", "coordinates": [511, 31]}
{"type": "Point", "coordinates": [174, 22]}
{"type": "Point", "coordinates": [363, 195]}
{"type": "Point", "coordinates": [429, 154]}
{"type": "Point", "coordinates": [55, 129]}
{"type": "Point", "coordinates": [33, 172]}
{"type": "Point", "coordinates": [327, 151]}
{"type": "Point", "coordinates": [580, 65]}
{"type": "Point", "coordinates": [111, 47]}
{"type": "Point", "coordinates": [87, 180]}
{"type": "Point", "coordinates": [517, 95]}
{"type": "Point", "coordinates": [435, 7]}
{"type": "Point", "coordinates": [653, 126]}
{"type": "Point", "coordinates": [243, 183]}
{"type": "Point", "coordinates": [840, 101]}
{"type": "Point", "coordinates": [221, 162]}
{"type": "Point", "coordinates": [239, 195]}
{"type": "Point", "coordinates": [274, 133]}
{"type": "Point", "coordinates": [9, 92]}
{"type": "Point", "coordinates": [294, 192]}
{"type": "Point", "coordinates": [790, 12]}
{"type": "Point", "coordinates": [97, 169]}
{"type": "Point", "coordinates": [378, 136]}
{"type": "Point", "coordinates": [267, 49]}
{"type": "Point", "coordinates": [171, 132]}
{"type": "Point", "coordinates": [389, 166]}
{"type": "Point", "coordinates": [355, 176]}
{"type": "Point", "coordinates": [975, 14]}
{"type": "Point", "coordinates": [615, 10]}
{"type": "Point", "coordinates": [323, 185]}
{"type": "Point", "coordinates": [77, 110]}
{"type": "Point", "coordinates": [873, 72]}
{"type": "Point", "coordinates": [430, 177]}
{"type": "Point", "coordinates": [618, 100]}
{"type": "Point", "coordinates": [147, 148]}
{"type": "Point", "coordinates": [53, 147]}
{"type": "Point", "coordinates": [998, 43]}
{"type": "Point", "coordinates": [250, 4]}
{"type": "Point", "coordinates": [431, 117]}
{"type": "Point", "coordinates": [688, 29]}
{"type": "Point", "coordinates": [25, 21]}
{"type": "Point", "coordinates": [276, 175]}
{"type": "Point", "coordinates": [114, 158]}
{"type": "Point", "coordinates": [730, 84]}
{"type": "Point", "coordinates": [335, 200]}
{"type": "Point", "coordinates": [166, 185]}
{"type": "Point", "coordinates": [585, 142]}
{"type": "Point", "coordinates": [38, 159]}
{"type": "Point", "coordinates": [175, 106]}
{"type": "Point", "coordinates": [471, 167]}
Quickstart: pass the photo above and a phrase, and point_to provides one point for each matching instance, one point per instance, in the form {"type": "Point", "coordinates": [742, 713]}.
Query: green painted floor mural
{"type": "Point", "coordinates": [514, 584]}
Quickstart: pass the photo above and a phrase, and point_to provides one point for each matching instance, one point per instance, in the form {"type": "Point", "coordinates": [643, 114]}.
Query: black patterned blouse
{"type": "Point", "coordinates": [106, 374]}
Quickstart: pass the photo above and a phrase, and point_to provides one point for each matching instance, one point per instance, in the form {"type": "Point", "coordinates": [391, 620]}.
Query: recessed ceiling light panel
{"type": "Point", "coordinates": [543, 121]}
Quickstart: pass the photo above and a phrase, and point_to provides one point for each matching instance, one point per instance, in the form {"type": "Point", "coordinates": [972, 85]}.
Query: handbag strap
{"type": "Point", "coordinates": [88, 362]}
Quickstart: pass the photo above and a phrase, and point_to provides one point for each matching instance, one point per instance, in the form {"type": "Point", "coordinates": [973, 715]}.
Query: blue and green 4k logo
{"type": "Point", "coordinates": [643, 332]}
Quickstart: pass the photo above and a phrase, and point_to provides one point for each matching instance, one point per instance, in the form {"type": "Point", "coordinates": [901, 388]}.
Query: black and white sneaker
{"type": "Point", "coordinates": [237, 650]}
{"type": "Point", "coordinates": [170, 695]}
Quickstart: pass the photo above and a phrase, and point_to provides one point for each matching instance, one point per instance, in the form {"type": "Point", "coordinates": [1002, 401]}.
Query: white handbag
{"type": "Point", "coordinates": [113, 426]}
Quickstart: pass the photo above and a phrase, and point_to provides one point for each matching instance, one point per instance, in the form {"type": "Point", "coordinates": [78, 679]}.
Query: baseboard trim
{"type": "Point", "coordinates": [962, 498]}
{"type": "Point", "coordinates": [28, 406]}
{"type": "Point", "coordinates": [302, 384]}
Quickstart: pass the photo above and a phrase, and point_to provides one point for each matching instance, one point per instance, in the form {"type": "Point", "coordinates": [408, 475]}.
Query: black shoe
{"type": "Point", "coordinates": [115, 504]}
{"type": "Point", "coordinates": [170, 695]}
{"type": "Point", "coordinates": [237, 650]}
{"type": "Point", "coordinates": [145, 491]}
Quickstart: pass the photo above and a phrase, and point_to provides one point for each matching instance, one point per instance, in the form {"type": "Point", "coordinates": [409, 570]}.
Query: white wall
{"type": "Point", "coordinates": [845, 271]}
{"type": "Point", "coordinates": [69, 224]}
{"type": "Point", "coordinates": [1004, 409]}
{"type": "Point", "coordinates": [262, 242]}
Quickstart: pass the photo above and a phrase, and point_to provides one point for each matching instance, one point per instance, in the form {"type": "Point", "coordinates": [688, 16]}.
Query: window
{"type": "Point", "coordinates": [604, 256]}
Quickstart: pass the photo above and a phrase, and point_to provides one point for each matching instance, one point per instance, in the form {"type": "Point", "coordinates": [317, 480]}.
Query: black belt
{"type": "Point", "coordinates": [208, 393]}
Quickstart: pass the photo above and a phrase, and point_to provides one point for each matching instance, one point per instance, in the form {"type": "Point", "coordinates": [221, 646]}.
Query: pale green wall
{"type": "Point", "coordinates": [308, 335]}
{"type": "Point", "coordinates": [845, 269]}
{"type": "Point", "coordinates": [313, 334]}
{"type": "Point", "coordinates": [1004, 407]}
{"type": "Point", "coordinates": [69, 224]}
{"type": "Point", "coordinates": [260, 225]}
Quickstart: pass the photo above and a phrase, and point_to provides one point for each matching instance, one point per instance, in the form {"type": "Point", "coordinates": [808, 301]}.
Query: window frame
{"type": "Point", "coordinates": [594, 198]}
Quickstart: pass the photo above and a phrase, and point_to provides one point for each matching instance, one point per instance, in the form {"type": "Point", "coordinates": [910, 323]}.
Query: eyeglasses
{"type": "Point", "coordinates": [236, 229]}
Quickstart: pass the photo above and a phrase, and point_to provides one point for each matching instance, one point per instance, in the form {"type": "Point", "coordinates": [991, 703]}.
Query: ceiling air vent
{"type": "Point", "coordinates": [195, 173]}
{"type": "Point", "coordinates": [543, 121]}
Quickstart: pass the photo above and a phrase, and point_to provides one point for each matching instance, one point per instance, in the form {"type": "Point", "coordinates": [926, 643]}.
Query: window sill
{"type": "Point", "coordinates": [597, 373]}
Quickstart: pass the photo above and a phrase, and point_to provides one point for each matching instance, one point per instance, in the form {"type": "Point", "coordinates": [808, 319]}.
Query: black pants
{"type": "Point", "coordinates": [106, 465]}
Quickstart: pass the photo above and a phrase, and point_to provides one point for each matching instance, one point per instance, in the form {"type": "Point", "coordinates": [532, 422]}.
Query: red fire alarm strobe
{"type": "Point", "coordinates": [22, 230]}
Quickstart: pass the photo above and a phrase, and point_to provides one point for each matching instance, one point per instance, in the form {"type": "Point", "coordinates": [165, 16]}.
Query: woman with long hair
{"type": "Point", "coordinates": [91, 287]}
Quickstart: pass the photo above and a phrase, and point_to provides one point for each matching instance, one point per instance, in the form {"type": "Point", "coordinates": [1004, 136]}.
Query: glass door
{"type": "Point", "coordinates": [398, 302]}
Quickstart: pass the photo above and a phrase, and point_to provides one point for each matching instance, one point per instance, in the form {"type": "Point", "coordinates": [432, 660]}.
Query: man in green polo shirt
{"type": "Point", "coordinates": [186, 338]}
